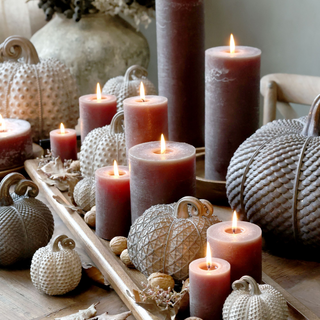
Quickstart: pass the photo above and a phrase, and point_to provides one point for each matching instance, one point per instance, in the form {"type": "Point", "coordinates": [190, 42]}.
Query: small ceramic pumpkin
{"type": "Point", "coordinates": [41, 92]}
{"type": "Point", "coordinates": [26, 224]}
{"type": "Point", "coordinates": [128, 86]}
{"type": "Point", "coordinates": [167, 237]}
{"type": "Point", "coordinates": [273, 179]}
{"type": "Point", "coordinates": [84, 193]}
{"type": "Point", "coordinates": [56, 269]}
{"type": "Point", "coordinates": [102, 146]}
{"type": "Point", "coordinates": [255, 302]}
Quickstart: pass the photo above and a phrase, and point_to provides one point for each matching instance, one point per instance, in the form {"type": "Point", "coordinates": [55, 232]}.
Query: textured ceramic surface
{"type": "Point", "coordinates": [96, 48]}
{"type": "Point", "coordinates": [166, 238]}
{"type": "Point", "coordinates": [274, 179]}
{"type": "Point", "coordinates": [129, 85]}
{"type": "Point", "coordinates": [250, 301]}
{"type": "Point", "coordinates": [102, 146]}
{"type": "Point", "coordinates": [84, 193]}
{"type": "Point", "coordinates": [56, 269]}
{"type": "Point", "coordinates": [42, 92]}
{"type": "Point", "coordinates": [26, 224]}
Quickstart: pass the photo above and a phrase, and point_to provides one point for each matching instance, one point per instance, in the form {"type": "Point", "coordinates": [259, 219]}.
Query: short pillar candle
{"type": "Point", "coordinates": [242, 249]}
{"type": "Point", "coordinates": [145, 119]}
{"type": "Point", "coordinates": [96, 111]}
{"type": "Point", "coordinates": [160, 178]}
{"type": "Point", "coordinates": [209, 288]}
{"type": "Point", "coordinates": [113, 216]}
{"type": "Point", "coordinates": [63, 143]}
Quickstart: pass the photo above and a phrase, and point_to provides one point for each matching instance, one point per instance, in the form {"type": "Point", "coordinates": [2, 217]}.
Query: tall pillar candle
{"type": "Point", "coordinates": [242, 249]}
{"type": "Point", "coordinates": [232, 104]}
{"type": "Point", "coordinates": [96, 111]}
{"type": "Point", "coordinates": [160, 178]}
{"type": "Point", "coordinates": [208, 288]}
{"type": "Point", "coordinates": [63, 143]}
{"type": "Point", "coordinates": [145, 119]}
{"type": "Point", "coordinates": [180, 45]}
{"type": "Point", "coordinates": [113, 216]}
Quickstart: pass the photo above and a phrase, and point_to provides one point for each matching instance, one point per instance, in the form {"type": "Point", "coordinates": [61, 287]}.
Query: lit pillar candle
{"type": "Point", "coordinates": [209, 284]}
{"type": "Point", "coordinates": [96, 111]}
{"type": "Point", "coordinates": [145, 118]}
{"type": "Point", "coordinates": [15, 143]}
{"type": "Point", "coordinates": [231, 104]}
{"type": "Point", "coordinates": [63, 143]}
{"type": "Point", "coordinates": [240, 244]}
{"type": "Point", "coordinates": [113, 216]}
{"type": "Point", "coordinates": [160, 175]}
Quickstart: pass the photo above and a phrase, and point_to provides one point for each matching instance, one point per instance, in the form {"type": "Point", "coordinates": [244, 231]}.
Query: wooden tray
{"type": "Point", "coordinates": [277, 271]}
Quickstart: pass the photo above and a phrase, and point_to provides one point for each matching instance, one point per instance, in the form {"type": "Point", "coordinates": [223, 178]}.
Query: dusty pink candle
{"type": "Point", "coordinates": [15, 143]}
{"type": "Point", "coordinates": [242, 249]}
{"type": "Point", "coordinates": [63, 143]}
{"type": "Point", "coordinates": [157, 178]}
{"type": "Point", "coordinates": [145, 120]}
{"type": "Point", "coordinates": [96, 113]}
{"type": "Point", "coordinates": [231, 104]}
{"type": "Point", "coordinates": [208, 288]}
{"type": "Point", "coordinates": [113, 216]}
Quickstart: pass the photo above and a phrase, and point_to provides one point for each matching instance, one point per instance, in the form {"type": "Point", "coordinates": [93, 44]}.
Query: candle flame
{"type": "Point", "coordinates": [115, 169]}
{"type": "Point", "coordinates": [163, 144]}
{"type": "Point", "coordinates": [98, 92]}
{"type": "Point", "coordinates": [234, 222]}
{"type": "Point", "coordinates": [209, 256]}
{"type": "Point", "coordinates": [142, 92]}
{"type": "Point", "coordinates": [62, 130]}
{"type": "Point", "coordinates": [2, 124]}
{"type": "Point", "coordinates": [232, 44]}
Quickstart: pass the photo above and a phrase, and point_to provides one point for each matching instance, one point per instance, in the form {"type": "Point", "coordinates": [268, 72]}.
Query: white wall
{"type": "Point", "coordinates": [287, 32]}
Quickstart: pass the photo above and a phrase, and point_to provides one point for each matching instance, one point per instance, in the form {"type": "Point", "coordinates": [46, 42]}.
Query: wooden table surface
{"type": "Point", "coordinates": [20, 300]}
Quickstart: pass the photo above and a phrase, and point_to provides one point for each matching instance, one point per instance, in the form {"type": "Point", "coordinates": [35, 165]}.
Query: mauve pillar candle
{"type": "Point", "coordinates": [232, 104]}
{"type": "Point", "coordinates": [180, 43]}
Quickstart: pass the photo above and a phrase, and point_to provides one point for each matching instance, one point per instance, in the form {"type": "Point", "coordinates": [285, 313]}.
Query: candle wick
{"type": "Point", "coordinates": [233, 230]}
{"type": "Point", "coordinates": [142, 100]}
{"type": "Point", "coordinates": [209, 266]}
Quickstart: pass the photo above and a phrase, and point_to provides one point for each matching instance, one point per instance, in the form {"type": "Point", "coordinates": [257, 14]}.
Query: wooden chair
{"type": "Point", "coordinates": [280, 89]}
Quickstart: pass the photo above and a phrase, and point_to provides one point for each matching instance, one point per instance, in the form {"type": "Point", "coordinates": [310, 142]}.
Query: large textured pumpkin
{"type": "Point", "coordinates": [41, 92]}
{"type": "Point", "coordinates": [102, 146]}
{"type": "Point", "coordinates": [128, 86]}
{"type": "Point", "coordinates": [26, 224]}
{"type": "Point", "coordinates": [84, 193]}
{"type": "Point", "coordinates": [273, 179]}
{"type": "Point", "coordinates": [250, 301]}
{"type": "Point", "coordinates": [167, 237]}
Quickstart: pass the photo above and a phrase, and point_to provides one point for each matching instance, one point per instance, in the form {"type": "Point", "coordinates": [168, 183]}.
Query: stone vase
{"type": "Point", "coordinates": [95, 49]}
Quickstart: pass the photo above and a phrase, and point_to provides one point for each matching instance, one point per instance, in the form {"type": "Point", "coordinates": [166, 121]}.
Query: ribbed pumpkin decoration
{"type": "Point", "coordinates": [167, 237]}
{"type": "Point", "coordinates": [56, 269]}
{"type": "Point", "coordinates": [274, 179]}
{"type": "Point", "coordinates": [250, 301]}
{"type": "Point", "coordinates": [41, 92]}
{"type": "Point", "coordinates": [102, 146]}
{"type": "Point", "coordinates": [26, 224]}
{"type": "Point", "coordinates": [84, 193]}
{"type": "Point", "coordinates": [128, 86]}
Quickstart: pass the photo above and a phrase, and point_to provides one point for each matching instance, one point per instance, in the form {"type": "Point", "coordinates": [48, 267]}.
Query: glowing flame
{"type": "Point", "coordinates": [142, 92]}
{"type": "Point", "coordinates": [62, 130]}
{"type": "Point", "coordinates": [98, 92]}
{"type": "Point", "coordinates": [234, 222]}
{"type": "Point", "coordinates": [2, 124]}
{"type": "Point", "coordinates": [209, 258]}
{"type": "Point", "coordinates": [163, 144]}
{"type": "Point", "coordinates": [232, 44]}
{"type": "Point", "coordinates": [115, 169]}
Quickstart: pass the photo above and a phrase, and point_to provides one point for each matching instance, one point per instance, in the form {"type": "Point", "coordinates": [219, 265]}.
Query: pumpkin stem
{"type": "Point", "coordinates": [23, 186]}
{"type": "Point", "coordinates": [243, 284]}
{"type": "Point", "coordinates": [116, 125]}
{"type": "Point", "coordinates": [181, 208]}
{"type": "Point", "coordinates": [6, 183]}
{"type": "Point", "coordinates": [65, 242]}
{"type": "Point", "coordinates": [208, 207]}
{"type": "Point", "coordinates": [15, 47]}
{"type": "Point", "coordinates": [312, 126]}
{"type": "Point", "coordinates": [137, 70]}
